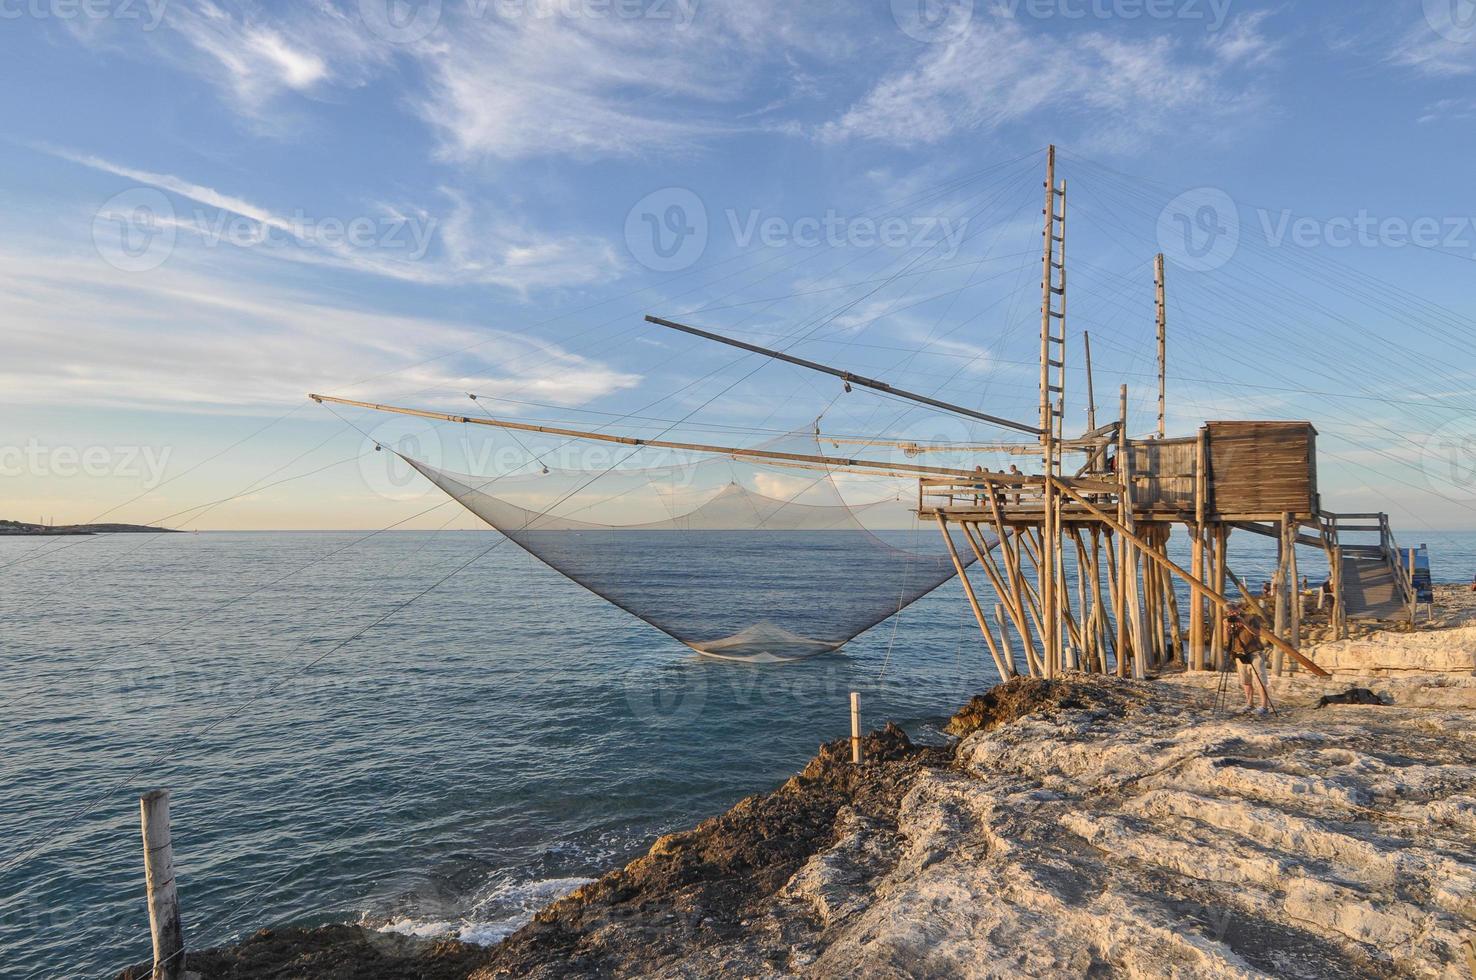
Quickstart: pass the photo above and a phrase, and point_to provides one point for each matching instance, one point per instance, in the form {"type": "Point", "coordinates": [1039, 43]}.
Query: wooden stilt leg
{"type": "Point", "coordinates": [963, 577]}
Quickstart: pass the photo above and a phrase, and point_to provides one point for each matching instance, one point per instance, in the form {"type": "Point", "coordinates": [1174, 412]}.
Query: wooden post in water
{"type": "Point", "coordinates": [855, 728]}
{"type": "Point", "coordinates": [164, 919]}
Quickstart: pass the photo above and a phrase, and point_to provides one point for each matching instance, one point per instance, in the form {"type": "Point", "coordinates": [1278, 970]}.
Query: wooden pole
{"type": "Point", "coordinates": [1200, 532]}
{"type": "Point", "coordinates": [968, 586]}
{"type": "Point", "coordinates": [986, 561]}
{"type": "Point", "coordinates": [830, 462]}
{"type": "Point", "coordinates": [1279, 589]}
{"type": "Point", "coordinates": [1015, 596]}
{"type": "Point", "coordinates": [1086, 340]}
{"type": "Point", "coordinates": [1004, 634]}
{"type": "Point", "coordinates": [1158, 281]}
{"type": "Point", "coordinates": [855, 728]}
{"type": "Point", "coordinates": [1128, 563]}
{"type": "Point", "coordinates": [1196, 604]}
{"type": "Point", "coordinates": [1050, 637]}
{"type": "Point", "coordinates": [1216, 597]}
{"type": "Point", "coordinates": [1294, 619]}
{"type": "Point", "coordinates": [1176, 628]}
{"type": "Point", "coordinates": [1217, 615]}
{"type": "Point", "coordinates": [164, 918]}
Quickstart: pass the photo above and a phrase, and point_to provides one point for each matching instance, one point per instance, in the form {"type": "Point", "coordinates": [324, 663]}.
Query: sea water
{"type": "Point", "coordinates": [486, 742]}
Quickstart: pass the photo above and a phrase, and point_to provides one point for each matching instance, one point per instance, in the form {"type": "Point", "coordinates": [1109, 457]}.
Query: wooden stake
{"type": "Point", "coordinates": [855, 728]}
{"type": "Point", "coordinates": [164, 918]}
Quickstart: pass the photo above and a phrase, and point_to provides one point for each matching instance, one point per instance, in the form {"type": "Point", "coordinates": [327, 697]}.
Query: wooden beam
{"type": "Point", "coordinates": [846, 376]}
{"type": "Point", "coordinates": [657, 443]}
{"type": "Point", "coordinates": [963, 576]}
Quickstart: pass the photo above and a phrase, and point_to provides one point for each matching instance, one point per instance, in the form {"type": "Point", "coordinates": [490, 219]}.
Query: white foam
{"type": "Point", "coordinates": [517, 901]}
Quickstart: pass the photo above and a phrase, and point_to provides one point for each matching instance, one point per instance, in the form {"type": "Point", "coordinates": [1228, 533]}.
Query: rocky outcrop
{"type": "Point", "coordinates": [1087, 827]}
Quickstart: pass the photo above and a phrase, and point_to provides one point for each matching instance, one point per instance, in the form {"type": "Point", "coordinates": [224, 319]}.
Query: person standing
{"type": "Point", "coordinates": [1243, 642]}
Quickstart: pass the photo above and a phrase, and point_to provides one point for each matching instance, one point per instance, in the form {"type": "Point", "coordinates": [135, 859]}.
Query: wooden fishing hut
{"type": "Point", "coordinates": [1112, 503]}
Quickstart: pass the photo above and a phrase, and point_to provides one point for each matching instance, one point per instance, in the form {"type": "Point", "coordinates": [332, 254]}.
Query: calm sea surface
{"type": "Point", "coordinates": [496, 741]}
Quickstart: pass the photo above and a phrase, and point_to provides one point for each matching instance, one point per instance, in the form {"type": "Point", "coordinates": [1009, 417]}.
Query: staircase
{"type": "Point", "coordinates": [1374, 583]}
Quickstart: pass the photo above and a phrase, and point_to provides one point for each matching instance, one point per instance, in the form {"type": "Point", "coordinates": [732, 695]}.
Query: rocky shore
{"type": "Point", "coordinates": [1084, 827]}
{"type": "Point", "coordinates": [21, 528]}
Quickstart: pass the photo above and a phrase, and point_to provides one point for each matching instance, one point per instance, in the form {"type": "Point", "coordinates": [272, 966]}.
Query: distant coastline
{"type": "Point", "coordinates": [21, 528]}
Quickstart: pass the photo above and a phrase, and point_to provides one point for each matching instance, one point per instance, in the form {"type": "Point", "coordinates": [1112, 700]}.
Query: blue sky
{"type": "Point", "coordinates": [214, 208]}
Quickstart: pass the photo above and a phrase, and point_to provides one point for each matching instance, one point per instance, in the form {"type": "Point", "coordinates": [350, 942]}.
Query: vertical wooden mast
{"type": "Point", "coordinates": [1052, 405]}
{"type": "Point", "coordinates": [1086, 343]}
{"type": "Point", "coordinates": [1162, 309]}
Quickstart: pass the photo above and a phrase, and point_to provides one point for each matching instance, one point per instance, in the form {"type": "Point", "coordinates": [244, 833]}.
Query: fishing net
{"type": "Point", "coordinates": [735, 559]}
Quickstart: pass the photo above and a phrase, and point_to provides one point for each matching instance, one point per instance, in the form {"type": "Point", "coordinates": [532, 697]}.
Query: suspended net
{"type": "Point", "coordinates": [736, 559]}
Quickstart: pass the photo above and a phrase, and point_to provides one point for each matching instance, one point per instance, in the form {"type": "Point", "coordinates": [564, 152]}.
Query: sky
{"type": "Point", "coordinates": [212, 209]}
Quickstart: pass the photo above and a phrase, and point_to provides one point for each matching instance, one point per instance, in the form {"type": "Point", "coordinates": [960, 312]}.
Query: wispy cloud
{"type": "Point", "coordinates": [463, 245]}
{"type": "Point", "coordinates": [992, 75]}
{"type": "Point", "coordinates": [1440, 55]}
{"type": "Point", "coordinates": [81, 333]}
{"type": "Point", "coordinates": [255, 57]}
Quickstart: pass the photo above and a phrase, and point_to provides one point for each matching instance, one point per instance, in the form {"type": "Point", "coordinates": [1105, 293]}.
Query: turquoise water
{"type": "Point", "coordinates": [499, 739]}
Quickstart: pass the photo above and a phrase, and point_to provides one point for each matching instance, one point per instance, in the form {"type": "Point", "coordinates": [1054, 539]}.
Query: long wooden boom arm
{"type": "Point", "coordinates": [847, 376]}
{"type": "Point", "coordinates": [827, 461]}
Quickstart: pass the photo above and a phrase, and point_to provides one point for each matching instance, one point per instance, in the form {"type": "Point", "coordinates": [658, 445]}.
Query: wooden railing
{"type": "Point", "coordinates": [1012, 491]}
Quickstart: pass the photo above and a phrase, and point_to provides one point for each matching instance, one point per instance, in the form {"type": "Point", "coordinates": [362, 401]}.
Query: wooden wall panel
{"type": "Point", "coordinates": [1262, 468]}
